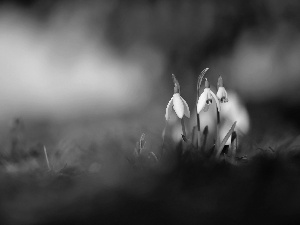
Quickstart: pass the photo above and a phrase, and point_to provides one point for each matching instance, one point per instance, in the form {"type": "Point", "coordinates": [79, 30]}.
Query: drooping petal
{"type": "Point", "coordinates": [220, 82]}
{"type": "Point", "coordinates": [226, 96]}
{"type": "Point", "coordinates": [186, 108]}
{"type": "Point", "coordinates": [202, 101]}
{"type": "Point", "coordinates": [169, 108]}
{"type": "Point", "coordinates": [216, 100]}
{"type": "Point", "coordinates": [178, 105]}
{"type": "Point", "coordinates": [209, 98]}
{"type": "Point", "coordinates": [222, 95]}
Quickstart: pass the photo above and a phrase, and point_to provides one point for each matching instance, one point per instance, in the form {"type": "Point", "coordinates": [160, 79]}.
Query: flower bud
{"type": "Point", "coordinates": [220, 82]}
{"type": "Point", "coordinates": [176, 89]}
{"type": "Point", "coordinates": [207, 85]}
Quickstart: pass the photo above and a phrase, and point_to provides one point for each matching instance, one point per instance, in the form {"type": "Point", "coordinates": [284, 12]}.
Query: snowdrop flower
{"type": "Point", "coordinates": [222, 93]}
{"type": "Point", "coordinates": [205, 99]}
{"type": "Point", "coordinates": [179, 105]}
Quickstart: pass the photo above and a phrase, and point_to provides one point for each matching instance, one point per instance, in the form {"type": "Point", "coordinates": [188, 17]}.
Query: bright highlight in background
{"type": "Point", "coordinates": [62, 71]}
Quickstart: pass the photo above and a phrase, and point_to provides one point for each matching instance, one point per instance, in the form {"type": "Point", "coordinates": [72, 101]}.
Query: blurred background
{"type": "Point", "coordinates": [72, 69]}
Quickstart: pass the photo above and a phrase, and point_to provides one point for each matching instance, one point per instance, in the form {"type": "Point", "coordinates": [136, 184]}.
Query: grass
{"type": "Point", "coordinates": [181, 186]}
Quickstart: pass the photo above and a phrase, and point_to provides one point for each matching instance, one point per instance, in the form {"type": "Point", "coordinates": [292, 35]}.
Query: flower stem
{"type": "Point", "coordinates": [183, 127]}
{"type": "Point", "coordinates": [199, 132]}
{"type": "Point", "coordinates": [163, 137]}
{"type": "Point", "coordinates": [218, 130]}
{"type": "Point", "coordinates": [200, 77]}
{"type": "Point", "coordinates": [194, 136]}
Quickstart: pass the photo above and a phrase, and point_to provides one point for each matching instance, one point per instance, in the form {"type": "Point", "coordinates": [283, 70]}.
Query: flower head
{"type": "Point", "coordinates": [205, 99]}
{"type": "Point", "coordinates": [179, 105]}
{"type": "Point", "coordinates": [222, 93]}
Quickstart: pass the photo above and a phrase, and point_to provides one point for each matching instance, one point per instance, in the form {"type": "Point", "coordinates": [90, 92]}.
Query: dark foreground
{"type": "Point", "coordinates": [179, 189]}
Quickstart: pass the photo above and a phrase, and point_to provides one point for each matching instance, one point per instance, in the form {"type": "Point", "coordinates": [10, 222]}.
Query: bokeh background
{"type": "Point", "coordinates": [76, 69]}
{"type": "Point", "coordinates": [86, 78]}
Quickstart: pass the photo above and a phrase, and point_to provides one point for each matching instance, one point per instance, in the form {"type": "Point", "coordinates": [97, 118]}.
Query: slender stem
{"type": "Point", "coordinates": [163, 137]}
{"type": "Point", "coordinates": [183, 127]}
{"type": "Point", "coordinates": [48, 164]}
{"type": "Point", "coordinates": [200, 77]}
{"type": "Point", "coordinates": [199, 132]}
{"type": "Point", "coordinates": [218, 130]}
{"type": "Point", "coordinates": [194, 138]}
{"type": "Point", "coordinates": [176, 83]}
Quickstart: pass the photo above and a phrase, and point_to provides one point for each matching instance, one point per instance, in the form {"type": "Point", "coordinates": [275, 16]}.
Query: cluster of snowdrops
{"type": "Point", "coordinates": [204, 100]}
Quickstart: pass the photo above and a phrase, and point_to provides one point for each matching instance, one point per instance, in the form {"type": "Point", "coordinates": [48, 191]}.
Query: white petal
{"type": "Point", "coordinates": [202, 101]}
{"type": "Point", "coordinates": [178, 105]}
{"type": "Point", "coordinates": [168, 109]}
{"type": "Point", "coordinates": [206, 107]}
{"type": "Point", "coordinates": [186, 108]}
{"type": "Point", "coordinates": [209, 98]}
{"type": "Point", "coordinates": [220, 93]}
{"type": "Point", "coordinates": [226, 96]}
{"type": "Point", "coordinates": [216, 100]}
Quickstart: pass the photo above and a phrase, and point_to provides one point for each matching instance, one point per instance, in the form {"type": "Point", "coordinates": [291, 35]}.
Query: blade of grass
{"type": "Point", "coordinates": [219, 150]}
{"type": "Point", "coordinates": [233, 146]}
{"type": "Point", "coordinates": [142, 143]}
{"type": "Point", "coordinates": [154, 156]}
{"type": "Point", "coordinates": [46, 156]}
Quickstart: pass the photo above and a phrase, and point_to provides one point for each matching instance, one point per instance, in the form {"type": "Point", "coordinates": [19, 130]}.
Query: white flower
{"type": "Point", "coordinates": [205, 99]}
{"type": "Point", "coordinates": [222, 93]}
{"type": "Point", "coordinates": [180, 107]}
